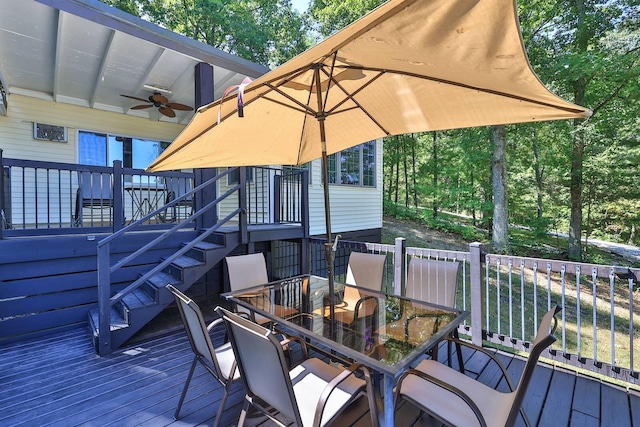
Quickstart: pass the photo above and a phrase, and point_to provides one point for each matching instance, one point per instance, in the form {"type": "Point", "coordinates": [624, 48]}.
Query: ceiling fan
{"type": "Point", "coordinates": [161, 102]}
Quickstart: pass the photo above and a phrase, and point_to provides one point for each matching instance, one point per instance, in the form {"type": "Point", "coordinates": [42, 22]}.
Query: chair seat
{"type": "Point", "coordinates": [309, 380]}
{"type": "Point", "coordinates": [493, 405]}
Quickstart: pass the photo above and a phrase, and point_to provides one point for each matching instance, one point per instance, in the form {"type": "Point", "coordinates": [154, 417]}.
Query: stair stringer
{"type": "Point", "coordinates": [139, 307]}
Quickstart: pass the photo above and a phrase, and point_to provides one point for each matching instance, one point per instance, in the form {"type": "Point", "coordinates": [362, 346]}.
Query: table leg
{"type": "Point", "coordinates": [388, 415]}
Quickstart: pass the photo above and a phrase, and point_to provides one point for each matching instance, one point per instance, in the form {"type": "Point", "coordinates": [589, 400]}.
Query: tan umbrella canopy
{"type": "Point", "coordinates": [407, 66]}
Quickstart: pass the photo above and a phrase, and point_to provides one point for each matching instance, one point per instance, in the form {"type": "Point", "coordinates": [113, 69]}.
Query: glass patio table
{"type": "Point", "coordinates": [385, 332]}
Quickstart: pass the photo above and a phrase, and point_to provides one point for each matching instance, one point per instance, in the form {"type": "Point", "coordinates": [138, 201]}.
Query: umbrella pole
{"type": "Point", "coordinates": [328, 246]}
{"type": "Point", "coordinates": [329, 253]}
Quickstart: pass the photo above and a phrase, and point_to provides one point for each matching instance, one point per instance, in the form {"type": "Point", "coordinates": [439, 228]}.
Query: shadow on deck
{"type": "Point", "coordinates": [59, 380]}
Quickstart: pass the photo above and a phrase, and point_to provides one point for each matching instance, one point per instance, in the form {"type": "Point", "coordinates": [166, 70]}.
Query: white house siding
{"type": "Point", "coordinates": [16, 129]}
{"type": "Point", "coordinates": [352, 207]}
{"type": "Point", "coordinates": [16, 141]}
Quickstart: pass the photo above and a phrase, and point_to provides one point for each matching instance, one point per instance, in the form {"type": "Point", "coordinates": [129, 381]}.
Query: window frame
{"type": "Point", "coordinates": [336, 159]}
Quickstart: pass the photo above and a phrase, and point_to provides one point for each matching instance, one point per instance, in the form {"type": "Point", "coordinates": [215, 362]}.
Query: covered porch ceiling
{"type": "Point", "coordinates": [86, 53]}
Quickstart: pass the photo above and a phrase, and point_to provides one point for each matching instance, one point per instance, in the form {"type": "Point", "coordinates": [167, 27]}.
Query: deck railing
{"type": "Point", "coordinates": [46, 198]}
{"type": "Point", "coordinates": [508, 295]}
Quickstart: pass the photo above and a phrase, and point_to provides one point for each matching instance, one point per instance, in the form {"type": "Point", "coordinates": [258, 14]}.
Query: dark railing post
{"type": "Point", "coordinates": [304, 205]}
{"type": "Point", "coordinates": [399, 266]}
{"type": "Point", "coordinates": [477, 314]}
{"type": "Point", "coordinates": [104, 303]}
{"type": "Point", "coordinates": [277, 194]}
{"type": "Point", "coordinates": [242, 204]}
{"type": "Point", "coordinates": [2, 201]}
{"type": "Point", "coordinates": [118, 204]}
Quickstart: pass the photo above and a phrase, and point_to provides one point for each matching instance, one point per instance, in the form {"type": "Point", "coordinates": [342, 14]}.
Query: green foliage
{"type": "Point", "coordinates": [330, 16]}
{"type": "Point", "coordinates": [263, 31]}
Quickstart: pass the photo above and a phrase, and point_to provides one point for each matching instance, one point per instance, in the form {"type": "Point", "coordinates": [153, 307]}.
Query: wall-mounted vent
{"type": "Point", "coordinates": [49, 132]}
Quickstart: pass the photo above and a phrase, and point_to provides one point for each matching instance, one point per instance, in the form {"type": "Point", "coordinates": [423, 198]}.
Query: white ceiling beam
{"type": "Point", "coordinates": [103, 65]}
{"type": "Point", "coordinates": [57, 54]}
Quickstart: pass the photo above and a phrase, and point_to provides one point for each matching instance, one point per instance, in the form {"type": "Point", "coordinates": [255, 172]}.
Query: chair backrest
{"type": "Point", "coordinates": [196, 328]}
{"type": "Point", "coordinates": [365, 270]}
{"type": "Point", "coordinates": [544, 338]}
{"type": "Point", "coordinates": [262, 364]}
{"type": "Point", "coordinates": [177, 187]}
{"type": "Point", "coordinates": [433, 281]}
{"type": "Point", "coordinates": [95, 189]}
{"type": "Point", "coordinates": [246, 271]}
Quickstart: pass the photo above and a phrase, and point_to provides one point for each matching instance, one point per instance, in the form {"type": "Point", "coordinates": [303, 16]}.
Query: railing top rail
{"type": "Point", "coordinates": [137, 223]}
{"type": "Point", "coordinates": [439, 253]}
{"type": "Point", "coordinates": [559, 265]}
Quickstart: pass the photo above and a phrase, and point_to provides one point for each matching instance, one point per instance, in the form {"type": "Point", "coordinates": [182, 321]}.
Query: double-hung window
{"type": "Point", "coordinates": [354, 166]}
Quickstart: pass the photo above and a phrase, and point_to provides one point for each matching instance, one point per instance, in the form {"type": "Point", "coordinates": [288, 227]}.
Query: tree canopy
{"type": "Point", "coordinates": [582, 176]}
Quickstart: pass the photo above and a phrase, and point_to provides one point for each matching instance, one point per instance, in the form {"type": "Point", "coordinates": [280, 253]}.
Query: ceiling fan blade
{"type": "Point", "coordinates": [167, 111]}
{"type": "Point", "coordinates": [177, 106]}
{"type": "Point", "coordinates": [141, 107]}
{"type": "Point", "coordinates": [156, 97]}
{"type": "Point", "coordinates": [136, 98]}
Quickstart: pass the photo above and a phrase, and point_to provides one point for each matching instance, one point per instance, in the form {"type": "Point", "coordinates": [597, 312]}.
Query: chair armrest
{"type": "Point", "coordinates": [486, 353]}
{"type": "Point", "coordinates": [329, 388]}
{"type": "Point", "coordinates": [447, 387]}
{"type": "Point", "coordinates": [213, 324]}
{"type": "Point", "coordinates": [420, 316]}
{"type": "Point", "coordinates": [360, 304]}
{"type": "Point", "coordinates": [289, 339]}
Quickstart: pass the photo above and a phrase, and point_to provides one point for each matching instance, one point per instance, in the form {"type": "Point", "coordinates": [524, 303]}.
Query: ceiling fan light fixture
{"type": "Point", "coordinates": [157, 88]}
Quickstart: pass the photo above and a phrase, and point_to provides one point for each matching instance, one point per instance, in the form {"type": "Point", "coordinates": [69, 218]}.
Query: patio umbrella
{"type": "Point", "coordinates": [407, 66]}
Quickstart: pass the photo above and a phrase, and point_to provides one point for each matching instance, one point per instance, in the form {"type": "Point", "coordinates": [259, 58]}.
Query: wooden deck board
{"type": "Point", "coordinates": [58, 380]}
{"type": "Point", "coordinates": [615, 408]}
{"type": "Point", "coordinates": [558, 401]}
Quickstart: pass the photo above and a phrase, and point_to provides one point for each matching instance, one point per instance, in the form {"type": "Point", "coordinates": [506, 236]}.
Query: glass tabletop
{"type": "Point", "coordinates": [385, 332]}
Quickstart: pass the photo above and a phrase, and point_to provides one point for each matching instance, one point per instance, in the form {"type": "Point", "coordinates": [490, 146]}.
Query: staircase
{"type": "Point", "coordinates": [140, 306]}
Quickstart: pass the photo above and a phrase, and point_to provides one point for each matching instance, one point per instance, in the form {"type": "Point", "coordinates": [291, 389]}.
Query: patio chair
{"type": "Point", "coordinates": [176, 188]}
{"type": "Point", "coordinates": [246, 271]}
{"type": "Point", "coordinates": [94, 192]}
{"type": "Point", "coordinates": [435, 281]}
{"type": "Point", "coordinates": [312, 393]}
{"type": "Point", "coordinates": [219, 362]}
{"type": "Point", "coordinates": [364, 270]}
{"type": "Point", "coordinates": [457, 400]}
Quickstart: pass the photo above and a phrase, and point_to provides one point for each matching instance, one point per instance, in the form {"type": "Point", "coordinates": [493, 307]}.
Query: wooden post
{"type": "Point", "coordinates": [477, 314]}
{"type": "Point", "coordinates": [104, 301]}
{"type": "Point", "coordinates": [305, 250]}
{"type": "Point", "coordinates": [118, 204]}
{"type": "Point", "coordinates": [399, 266]}
{"type": "Point", "coordinates": [242, 204]}
{"type": "Point", "coordinates": [277, 182]}
{"type": "Point", "coordinates": [2, 196]}
{"type": "Point", "coordinates": [304, 205]}
{"type": "Point", "coordinates": [203, 84]}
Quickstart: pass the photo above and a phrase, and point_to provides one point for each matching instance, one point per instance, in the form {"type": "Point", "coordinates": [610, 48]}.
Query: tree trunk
{"type": "Point", "coordinates": [397, 172]}
{"type": "Point", "coordinates": [435, 175]}
{"type": "Point", "coordinates": [406, 172]}
{"type": "Point", "coordinates": [413, 171]}
{"type": "Point", "coordinates": [538, 169]}
{"type": "Point", "coordinates": [500, 229]}
{"type": "Point", "coordinates": [577, 153]}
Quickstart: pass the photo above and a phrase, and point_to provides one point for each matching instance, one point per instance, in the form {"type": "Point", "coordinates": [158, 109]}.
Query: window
{"type": "Point", "coordinates": [101, 150]}
{"type": "Point", "coordinates": [306, 166]}
{"type": "Point", "coordinates": [354, 166]}
{"type": "Point", "coordinates": [234, 176]}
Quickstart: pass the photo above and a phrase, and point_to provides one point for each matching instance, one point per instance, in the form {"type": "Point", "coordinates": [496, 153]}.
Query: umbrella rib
{"type": "Point", "coordinates": [350, 96]}
{"type": "Point", "coordinates": [466, 86]}
{"type": "Point", "coordinates": [305, 110]}
{"type": "Point", "coordinates": [289, 97]}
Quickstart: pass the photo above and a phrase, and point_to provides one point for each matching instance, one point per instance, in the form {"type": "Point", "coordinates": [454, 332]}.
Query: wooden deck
{"type": "Point", "coordinates": [58, 380]}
